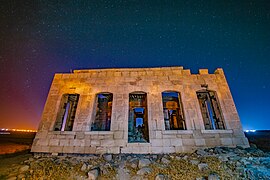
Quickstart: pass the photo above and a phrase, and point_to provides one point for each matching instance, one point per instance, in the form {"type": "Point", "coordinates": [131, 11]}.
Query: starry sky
{"type": "Point", "coordinates": [39, 38]}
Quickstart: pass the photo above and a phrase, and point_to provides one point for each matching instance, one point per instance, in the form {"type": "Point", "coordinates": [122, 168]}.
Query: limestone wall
{"type": "Point", "coordinates": [121, 82]}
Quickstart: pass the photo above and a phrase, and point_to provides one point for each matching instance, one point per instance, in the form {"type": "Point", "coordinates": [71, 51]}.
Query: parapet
{"type": "Point", "coordinates": [130, 69]}
{"type": "Point", "coordinates": [174, 68]}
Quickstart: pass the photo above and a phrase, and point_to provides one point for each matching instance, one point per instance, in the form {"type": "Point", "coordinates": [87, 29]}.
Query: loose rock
{"type": "Point", "coordinates": [160, 177]}
{"type": "Point", "coordinates": [194, 162]}
{"type": "Point", "coordinates": [84, 167]}
{"type": "Point", "coordinates": [134, 163]}
{"type": "Point", "coordinates": [201, 152]}
{"type": "Point", "coordinates": [185, 157]}
{"type": "Point", "coordinates": [20, 176]}
{"type": "Point", "coordinates": [165, 161]}
{"type": "Point", "coordinates": [200, 178]}
{"type": "Point", "coordinates": [144, 162]}
{"type": "Point", "coordinates": [144, 171]}
{"type": "Point", "coordinates": [107, 157]}
{"type": "Point", "coordinates": [236, 163]}
{"type": "Point", "coordinates": [203, 166]}
{"type": "Point", "coordinates": [93, 174]}
{"type": "Point", "coordinates": [24, 168]}
{"type": "Point", "coordinates": [213, 177]}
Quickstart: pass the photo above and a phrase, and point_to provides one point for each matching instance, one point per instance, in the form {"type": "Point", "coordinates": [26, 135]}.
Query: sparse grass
{"type": "Point", "coordinates": [70, 168]}
{"type": "Point", "coordinates": [49, 169]}
{"type": "Point", "coordinates": [111, 172]}
{"type": "Point", "coordinates": [2, 177]}
{"type": "Point", "coordinates": [183, 169]}
{"type": "Point", "coordinates": [132, 171]}
{"type": "Point", "coordinates": [65, 170]}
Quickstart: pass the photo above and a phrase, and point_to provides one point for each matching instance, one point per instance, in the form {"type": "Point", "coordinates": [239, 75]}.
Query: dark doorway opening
{"type": "Point", "coordinates": [138, 121]}
{"type": "Point", "coordinates": [211, 111]}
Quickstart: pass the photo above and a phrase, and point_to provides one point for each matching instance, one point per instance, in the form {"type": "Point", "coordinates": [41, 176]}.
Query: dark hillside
{"type": "Point", "coordinates": [260, 138]}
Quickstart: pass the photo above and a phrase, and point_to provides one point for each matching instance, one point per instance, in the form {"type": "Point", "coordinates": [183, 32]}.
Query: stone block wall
{"type": "Point", "coordinates": [121, 82]}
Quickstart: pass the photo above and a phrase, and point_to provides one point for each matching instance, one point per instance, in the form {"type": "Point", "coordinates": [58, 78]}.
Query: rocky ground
{"type": "Point", "coordinates": [212, 164]}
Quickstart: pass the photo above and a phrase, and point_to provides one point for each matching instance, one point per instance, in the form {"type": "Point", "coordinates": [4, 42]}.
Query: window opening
{"type": "Point", "coordinates": [103, 113]}
{"type": "Point", "coordinates": [210, 110]}
{"type": "Point", "coordinates": [138, 121]}
{"type": "Point", "coordinates": [66, 115]}
{"type": "Point", "coordinates": [173, 111]}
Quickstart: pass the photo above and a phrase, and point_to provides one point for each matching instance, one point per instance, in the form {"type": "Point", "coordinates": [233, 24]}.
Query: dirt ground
{"type": "Point", "coordinates": [10, 162]}
{"type": "Point", "coordinates": [14, 149]}
{"type": "Point", "coordinates": [10, 148]}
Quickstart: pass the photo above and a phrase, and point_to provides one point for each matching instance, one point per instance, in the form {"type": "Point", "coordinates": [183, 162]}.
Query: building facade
{"type": "Point", "coordinates": [138, 110]}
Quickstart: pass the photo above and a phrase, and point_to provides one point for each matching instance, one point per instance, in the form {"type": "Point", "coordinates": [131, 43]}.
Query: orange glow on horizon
{"type": "Point", "coordinates": [18, 130]}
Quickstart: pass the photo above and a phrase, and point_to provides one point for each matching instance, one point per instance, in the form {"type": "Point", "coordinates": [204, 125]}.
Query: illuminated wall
{"type": "Point", "coordinates": [139, 110]}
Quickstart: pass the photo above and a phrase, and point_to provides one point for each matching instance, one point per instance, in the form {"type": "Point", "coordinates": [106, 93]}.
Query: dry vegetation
{"type": "Point", "coordinates": [50, 170]}
{"type": "Point", "coordinates": [15, 155]}
{"type": "Point", "coordinates": [183, 169]}
{"type": "Point", "coordinates": [65, 168]}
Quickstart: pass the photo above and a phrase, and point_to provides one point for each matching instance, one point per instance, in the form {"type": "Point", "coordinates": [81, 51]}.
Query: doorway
{"type": "Point", "coordinates": [211, 111]}
{"type": "Point", "coordinates": [138, 122]}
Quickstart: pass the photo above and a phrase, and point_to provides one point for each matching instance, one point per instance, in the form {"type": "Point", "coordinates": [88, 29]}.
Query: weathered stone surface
{"type": "Point", "coordinates": [160, 177]}
{"type": "Point", "coordinates": [194, 161]}
{"type": "Point", "coordinates": [93, 174]}
{"type": "Point", "coordinates": [213, 177]}
{"type": "Point", "coordinates": [86, 84]}
{"type": "Point", "coordinates": [107, 157]}
{"type": "Point", "coordinates": [144, 162]}
{"type": "Point", "coordinates": [122, 172]}
{"type": "Point", "coordinates": [185, 157]}
{"type": "Point", "coordinates": [201, 152]}
{"type": "Point", "coordinates": [144, 171]}
{"type": "Point", "coordinates": [24, 168]}
{"type": "Point", "coordinates": [134, 162]}
{"type": "Point", "coordinates": [21, 176]}
{"type": "Point", "coordinates": [84, 167]}
{"type": "Point", "coordinates": [200, 178]}
{"type": "Point", "coordinates": [165, 161]}
{"type": "Point", "coordinates": [202, 166]}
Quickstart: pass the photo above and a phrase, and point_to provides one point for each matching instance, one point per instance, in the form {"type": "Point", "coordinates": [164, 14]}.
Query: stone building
{"type": "Point", "coordinates": [138, 110]}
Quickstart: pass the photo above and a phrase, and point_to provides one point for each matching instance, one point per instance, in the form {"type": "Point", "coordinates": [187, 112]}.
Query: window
{"type": "Point", "coordinates": [66, 114]}
{"type": "Point", "coordinates": [138, 121]}
{"type": "Point", "coordinates": [173, 111]}
{"type": "Point", "coordinates": [103, 112]}
{"type": "Point", "coordinates": [210, 109]}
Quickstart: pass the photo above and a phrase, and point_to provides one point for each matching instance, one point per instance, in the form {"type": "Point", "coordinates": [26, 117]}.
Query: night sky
{"type": "Point", "coordinates": [41, 38]}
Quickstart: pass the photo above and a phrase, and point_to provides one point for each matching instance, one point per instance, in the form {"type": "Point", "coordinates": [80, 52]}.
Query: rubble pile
{"type": "Point", "coordinates": [211, 163]}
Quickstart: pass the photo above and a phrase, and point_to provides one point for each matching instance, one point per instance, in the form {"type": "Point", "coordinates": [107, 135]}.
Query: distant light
{"type": "Point", "coordinates": [18, 130]}
{"type": "Point", "coordinates": [250, 130]}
